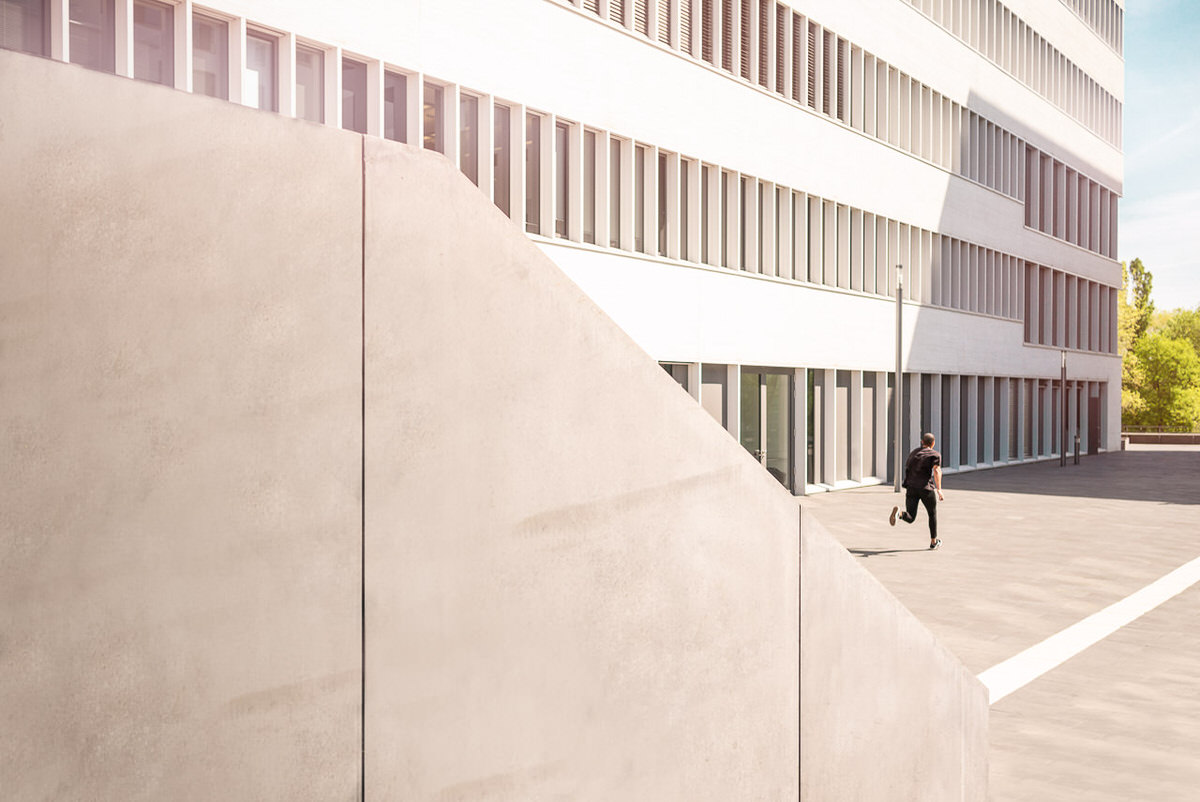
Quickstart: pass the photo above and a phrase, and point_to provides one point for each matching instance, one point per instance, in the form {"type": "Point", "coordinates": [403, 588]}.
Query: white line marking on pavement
{"type": "Point", "coordinates": [1018, 671]}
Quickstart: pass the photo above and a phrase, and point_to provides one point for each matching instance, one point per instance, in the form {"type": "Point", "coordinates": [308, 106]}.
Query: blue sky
{"type": "Point", "coordinates": [1160, 210]}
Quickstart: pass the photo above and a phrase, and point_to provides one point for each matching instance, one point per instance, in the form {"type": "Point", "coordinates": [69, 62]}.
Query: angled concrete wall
{"type": "Point", "coordinates": [576, 584]}
{"type": "Point", "coordinates": [179, 446]}
{"type": "Point", "coordinates": [886, 712]}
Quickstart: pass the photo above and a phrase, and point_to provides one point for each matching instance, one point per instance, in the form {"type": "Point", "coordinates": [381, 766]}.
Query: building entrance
{"type": "Point", "coordinates": [766, 421]}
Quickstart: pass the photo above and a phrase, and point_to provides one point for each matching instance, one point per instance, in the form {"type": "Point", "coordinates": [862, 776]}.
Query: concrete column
{"type": "Point", "coordinates": [855, 427]}
{"type": "Point", "coordinates": [971, 402]}
{"type": "Point", "coordinates": [987, 389]}
{"type": "Point", "coordinates": [1018, 389]}
{"type": "Point", "coordinates": [123, 23]}
{"type": "Point", "coordinates": [574, 182]}
{"type": "Point", "coordinates": [800, 477]}
{"type": "Point", "coordinates": [881, 426]}
{"type": "Point", "coordinates": [375, 116]}
{"type": "Point", "coordinates": [546, 124]}
{"type": "Point", "coordinates": [627, 189]}
{"type": "Point", "coordinates": [287, 74]}
{"type": "Point", "coordinates": [182, 22]}
{"type": "Point", "coordinates": [1049, 413]}
{"type": "Point", "coordinates": [714, 216]}
{"type": "Point", "coordinates": [832, 442]}
{"type": "Point", "coordinates": [733, 401]}
{"type": "Point", "coordinates": [749, 237]}
{"type": "Point", "coordinates": [1003, 421]}
{"type": "Point", "coordinates": [670, 248]}
{"type": "Point", "coordinates": [60, 30]}
{"type": "Point", "coordinates": [415, 114]}
{"type": "Point", "coordinates": [602, 190]}
{"type": "Point", "coordinates": [783, 234]}
{"type": "Point", "coordinates": [952, 453]}
{"type": "Point", "coordinates": [487, 143]}
{"type": "Point", "coordinates": [912, 425]}
{"type": "Point", "coordinates": [1084, 408]}
{"type": "Point", "coordinates": [333, 91]}
{"type": "Point", "coordinates": [935, 406]}
{"type": "Point", "coordinates": [766, 225]}
{"type": "Point", "coordinates": [694, 226]}
{"type": "Point", "coordinates": [237, 62]}
{"type": "Point", "coordinates": [693, 380]}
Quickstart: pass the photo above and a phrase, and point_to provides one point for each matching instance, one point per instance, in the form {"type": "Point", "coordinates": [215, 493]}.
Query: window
{"type": "Point", "coordinates": [210, 57]}
{"type": "Point", "coordinates": [639, 198]}
{"type": "Point", "coordinates": [310, 84]}
{"type": "Point", "coordinates": [153, 42]}
{"type": "Point", "coordinates": [354, 96]}
{"type": "Point", "coordinates": [533, 173]}
{"type": "Point", "coordinates": [395, 106]}
{"type": "Point", "coordinates": [661, 250]}
{"type": "Point", "coordinates": [614, 193]}
{"type": "Point", "coordinates": [24, 26]}
{"type": "Point", "coordinates": [502, 158]}
{"type": "Point", "coordinates": [432, 118]}
{"type": "Point", "coordinates": [261, 69]}
{"type": "Point", "coordinates": [468, 137]}
{"type": "Point", "coordinates": [93, 32]}
{"type": "Point", "coordinates": [562, 163]}
{"type": "Point", "coordinates": [589, 187]}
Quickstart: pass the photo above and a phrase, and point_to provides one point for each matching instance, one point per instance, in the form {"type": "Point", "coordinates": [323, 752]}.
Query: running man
{"type": "Point", "coordinates": [922, 483]}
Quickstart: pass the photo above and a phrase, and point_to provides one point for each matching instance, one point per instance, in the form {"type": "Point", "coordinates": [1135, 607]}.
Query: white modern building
{"type": "Point", "coordinates": [742, 185]}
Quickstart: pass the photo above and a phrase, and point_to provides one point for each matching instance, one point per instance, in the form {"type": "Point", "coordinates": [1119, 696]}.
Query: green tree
{"type": "Point", "coordinates": [1179, 324]}
{"type": "Point", "coordinates": [1133, 316]}
{"type": "Point", "coordinates": [1168, 383]}
{"type": "Point", "coordinates": [1139, 281]}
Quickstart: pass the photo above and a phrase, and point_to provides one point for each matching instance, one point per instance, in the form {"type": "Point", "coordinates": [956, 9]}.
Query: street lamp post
{"type": "Point", "coordinates": [898, 395]}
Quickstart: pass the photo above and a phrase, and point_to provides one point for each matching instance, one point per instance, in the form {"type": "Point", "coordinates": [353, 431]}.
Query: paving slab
{"type": "Point", "coordinates": [1029, 550]}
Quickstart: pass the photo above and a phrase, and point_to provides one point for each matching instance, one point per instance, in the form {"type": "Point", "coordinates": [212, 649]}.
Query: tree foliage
{"type": "Point", "coordinates": [1160, 368]}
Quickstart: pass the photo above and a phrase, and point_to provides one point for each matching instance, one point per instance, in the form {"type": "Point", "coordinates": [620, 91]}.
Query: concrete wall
{"type": "Point", "coordinates": [886, 712]}
{"type": "Point", "coordinates": [180, 446]}
{"type": "Point", "coordinates": [576, 584]}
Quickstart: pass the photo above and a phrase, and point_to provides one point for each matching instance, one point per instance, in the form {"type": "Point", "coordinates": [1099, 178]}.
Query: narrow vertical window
{"type": "Point", "coordinates": [25, 26]}
{"type": "Point", "coordinates": [354, 96]}
{"type": "Point", "coordinates": [501, 157]}
{"type": "Point", "coordinates": [154, 42]}
{"type": "Point", "coordinates": [310, 84]}
{"type": "Point", "coordinates": [685, 251]}
{"type": "Point", "coordinates": [589, 187]}
{"type": "Point", "coordinates": [93, 34]}
{"type": "Point", "coordinates": [639, 198]}
{"type": "Point", "coordinates": [431, 118]}
{"type": "Point", "coordinates": [724, 219]}
{"type": "Point", "coordinates": [210, 57]}
{"type": "Point", "coordinates": [261, 69]}
{"type": "Point", "coordinates": [562, 186]}
{"type": "Point", "coordinates": [468, 137]}
{"type": "Point", "coordinates": [395, 106]}
{"type": "Point", "coordinates": [661, 250]}
{"type": "Point", "coordinates": [614, 193]}
{"type": "Point", "coordinates": [533, 173]}
{"type": "Point", "coordinates": [706, 30]}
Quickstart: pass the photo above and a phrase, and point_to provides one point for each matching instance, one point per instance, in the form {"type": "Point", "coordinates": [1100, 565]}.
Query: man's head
{"type": "Point", "coordinates": [927, 440]}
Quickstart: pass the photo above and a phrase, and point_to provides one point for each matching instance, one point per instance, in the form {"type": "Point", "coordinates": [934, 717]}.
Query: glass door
{"type": "Point", "coordinates": [766, 421]}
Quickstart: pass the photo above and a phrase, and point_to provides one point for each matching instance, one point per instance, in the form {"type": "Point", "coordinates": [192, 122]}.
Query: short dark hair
{"type": "Point", "coordinates": [927, 439]}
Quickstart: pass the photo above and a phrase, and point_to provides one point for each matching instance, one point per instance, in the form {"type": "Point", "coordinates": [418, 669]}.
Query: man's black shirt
{"type": "Point", "coordinates": [918, 469]}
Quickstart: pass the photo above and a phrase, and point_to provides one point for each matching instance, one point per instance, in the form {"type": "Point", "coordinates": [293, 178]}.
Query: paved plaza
{"type": "Point", "coordinates": [1028, 551]}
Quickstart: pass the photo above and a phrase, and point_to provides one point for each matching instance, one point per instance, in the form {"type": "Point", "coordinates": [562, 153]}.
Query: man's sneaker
{"type": "Point", "coordinates": [892, 517]}
{"type": "Point", "coordinates": [935, 544]}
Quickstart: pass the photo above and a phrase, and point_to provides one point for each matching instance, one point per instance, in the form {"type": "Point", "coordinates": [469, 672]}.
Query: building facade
{"type": "Point", "coordinates": [743, 185]}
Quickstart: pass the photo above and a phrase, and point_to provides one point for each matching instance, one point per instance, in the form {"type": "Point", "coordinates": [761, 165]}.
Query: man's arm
{"type": "Point", "coordinates": [937, 480]}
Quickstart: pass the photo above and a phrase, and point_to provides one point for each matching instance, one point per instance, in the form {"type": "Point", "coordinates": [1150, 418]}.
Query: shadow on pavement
{"type": "Point", "coordinates": [1168, 475]}
{"type": "Point", "coordinates": [883, 552]}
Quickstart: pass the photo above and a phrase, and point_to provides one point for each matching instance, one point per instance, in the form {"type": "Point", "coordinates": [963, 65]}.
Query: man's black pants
{"type": "Point", "coordinates": [926, 497]}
